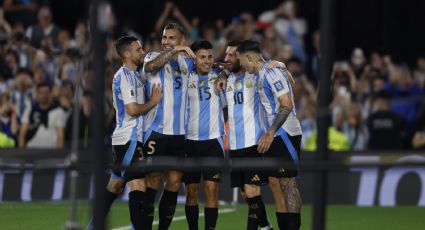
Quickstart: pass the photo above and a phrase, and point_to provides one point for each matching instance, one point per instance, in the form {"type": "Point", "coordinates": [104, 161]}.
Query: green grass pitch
{"type": "Point", "coordinates": [47, 215]}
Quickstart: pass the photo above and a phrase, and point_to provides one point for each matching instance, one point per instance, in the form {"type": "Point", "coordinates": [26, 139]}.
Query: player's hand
{"type": "Point", "coordinates": [276, 64]}
{"type": "Point", "coordinates": [185, 49]}
{"type": "Point", "coordinates": [221, 83]}
{"type": "Point", "coordinates": [156, 94]}
{"type": "Point", "coordinates": [265, 141]}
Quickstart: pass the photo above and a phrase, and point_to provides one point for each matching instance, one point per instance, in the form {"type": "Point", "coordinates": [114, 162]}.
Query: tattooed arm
{"type": "Point", "coordinates": [159, 61]}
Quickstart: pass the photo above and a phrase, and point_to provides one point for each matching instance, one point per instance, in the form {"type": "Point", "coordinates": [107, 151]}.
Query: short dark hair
{"type": "Point", "coordinates": [234, 43]}
{"type": "Point", "coordinates": [24, 71]}
{"type": "Point", "coordinates": [176, 26]}
{"type": "Point", "coordinates": [44, 84]}
{"type": "Point", "coordinates": [249, 46]}
{"type": "Point", "coordinates": [123, 43]}
{"type": "Point", "coordinates": [201, 44]}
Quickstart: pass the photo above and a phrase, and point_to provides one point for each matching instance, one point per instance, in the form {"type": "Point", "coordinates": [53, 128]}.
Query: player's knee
{"type": "Point", "coordinates": [116, 186]}
{"type": "Point", "coordinates": [274, 184]}
{"type": "Point", "coordinates": [252, 190]}
{"type": "Point", "coordinates": [154, 180]}
{"type": "Point", "coordinates": [173, 183]}
{"type": "Point", "coordinates": [137, 184]}
{"type": "Point", "coordinates": [211, 189]}
{"type": "Point", "coordinates": [192, 193]}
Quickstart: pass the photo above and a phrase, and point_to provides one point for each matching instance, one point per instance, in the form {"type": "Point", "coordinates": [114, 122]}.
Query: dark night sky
{"type": "Point", "coordinates": [383, 25]}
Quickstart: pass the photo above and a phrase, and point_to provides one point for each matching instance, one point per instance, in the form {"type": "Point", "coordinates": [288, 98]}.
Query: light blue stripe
{"type": "Point", "coordinates": [270, 99]}
{"type": "Point", "coordinates": [238, 112]}
{"type": "Point", "coordinates": [159, 118]}
{"type": "Point", "coordinates": [220, 116]}
{"type": "Point", "coordinates": [115, 176]}
{"type": "Point", "coordinates": [257, 117]}
{"type": "Point", "coordinates": [290, 146]}
{"type": "Point", "coordinates": [220, 141]}
{"type": "Point", "coordinates": [128, 156]}
{"type": "Point", "coordinates": [120, 103]}
{"type": "Point", "coordinates": [204, 112]}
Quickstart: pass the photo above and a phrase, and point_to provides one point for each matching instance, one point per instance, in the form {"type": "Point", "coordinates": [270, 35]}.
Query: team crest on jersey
{"type": "Point", "coordinates": [249, 84]}
{"type": "Point", "coordinates": [238, 85]}
{"type": "Point", "coordinates": [192, 85]}
{"type": "Point", "coordinates": [184, 70]}
{"type": "Point", "coordinates": [278, 85]}
{"type": "Point", "coordinates": [176, 72]}
{"type": "Point", "coordinates": [202, 83]}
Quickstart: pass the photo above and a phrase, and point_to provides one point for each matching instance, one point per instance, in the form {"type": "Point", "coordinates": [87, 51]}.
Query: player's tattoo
{"type": "Point", "coordinates": [159, 61]}
{"type": "Point", "coordinates": [281, 117]}
{"type": "Point", "coordinates": [292, 195]}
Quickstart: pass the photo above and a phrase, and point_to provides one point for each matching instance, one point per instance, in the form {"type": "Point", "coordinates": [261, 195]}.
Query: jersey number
{"type": "Point", "coordinates": [177, 82]}
{"type": "Point", "coordinates": [204, 91]}
{"type": "Point", "coordinates": [238, 97]}
{"type": "Point", "coordinates": [151, 146]}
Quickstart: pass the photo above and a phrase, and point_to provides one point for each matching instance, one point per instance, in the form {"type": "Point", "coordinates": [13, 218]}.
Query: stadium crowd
{"type": "Point", "coordinates": [377, 104]}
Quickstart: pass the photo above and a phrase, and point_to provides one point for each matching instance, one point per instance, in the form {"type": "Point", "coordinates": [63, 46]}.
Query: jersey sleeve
{"type": "Point", "coordinates": [186, 64]}
{"type": "Point", "coordinates": [149, 57]}
{"type": "Point", "coordinates": [128, 88]}
{"type": "Point", "coordinates": [278, 82]}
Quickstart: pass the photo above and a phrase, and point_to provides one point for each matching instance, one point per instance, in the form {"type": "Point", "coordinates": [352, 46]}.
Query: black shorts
{"type": "Point", "coordinates": [240, 178]}
{"type": "Point", "coordinates": [207, 148]}
{"type": "Point", "coordinates": [280, 150]}
{"type": "Point", "coordinates": [123, 156]}
{"type": "Point", "coordinates": [160, 145]}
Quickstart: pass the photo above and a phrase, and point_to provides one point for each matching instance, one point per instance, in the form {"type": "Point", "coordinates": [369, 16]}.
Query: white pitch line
{"type": "Point", "coordinates": [178, 218]}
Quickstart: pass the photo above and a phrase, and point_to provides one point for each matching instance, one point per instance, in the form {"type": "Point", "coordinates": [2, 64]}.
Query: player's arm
{"type": "Point", "coordinates": [60, 132]}
{"type": "Point", "coordinates": [22, 133]}
{"type": "Point", "coordinates": [159, 61]}
{"type": "Point", "coordinates": [135, 109]}
{"type": "Point", "coordinates": [281, 65]}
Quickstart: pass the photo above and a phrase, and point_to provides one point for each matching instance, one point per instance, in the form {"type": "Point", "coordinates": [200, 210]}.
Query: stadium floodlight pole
{"type": "Point", "coordinates": [100, 20]}
{"type": "Point", "coordinates": [323, 114]}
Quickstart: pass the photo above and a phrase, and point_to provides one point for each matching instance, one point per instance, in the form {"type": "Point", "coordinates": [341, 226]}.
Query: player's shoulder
{"type": "Point", "coordinates": [274, 73]}
{"type": "Point", "coordinates": [151, 55]}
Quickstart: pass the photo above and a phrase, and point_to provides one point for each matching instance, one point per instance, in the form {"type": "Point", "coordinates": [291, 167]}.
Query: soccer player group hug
{"type": "Point", "coordinates": [174, 107]}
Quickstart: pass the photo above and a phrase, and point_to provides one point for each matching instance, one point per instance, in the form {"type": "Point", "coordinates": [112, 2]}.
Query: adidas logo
{"type": "Point", "coordinates": [255, 178]}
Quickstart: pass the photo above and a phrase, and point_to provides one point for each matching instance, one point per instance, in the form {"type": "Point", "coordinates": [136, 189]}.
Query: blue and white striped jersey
{"type": "Point", "coordinates": [271, 84]}
{"type": "Point", "coordinates": [127, 87]}
{"type": "Point", "coordinates": [243, 110]}
{"type": "Point", "coordinates": [205, 119]}
{"type": "Point", "coordinates": [168, 117]}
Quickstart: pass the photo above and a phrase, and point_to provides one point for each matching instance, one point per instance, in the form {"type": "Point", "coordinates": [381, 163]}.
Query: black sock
{"type": "Point", "coordinates": [211, 215]}
{"type": "Point", "coordinates": [254, 212]}
{"type": "Point", "coordinates": [263, 221]}
{"type": "Point", "coordinates": [136, 204]}
{"type": "Point", "coordinates": [282, 220]}
{"type": "Point", "coordinates": [167, 207]}
{"type": "Point", "coordinates": [293, 221]}
{"type": "Point", "coordinates": [192, 216]}
{"type": "Point", "coordinates": [110, 198]}
{"type": "Point", "coordinates": [150, 206]}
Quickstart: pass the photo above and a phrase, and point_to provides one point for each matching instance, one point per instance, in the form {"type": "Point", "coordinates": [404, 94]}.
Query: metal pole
{"type": "Point", "coordinates": [100, 20]}
{"type": "Point", "coordinates": [73, 157]}
{"type": "Point", "coordinates": [323, 114]}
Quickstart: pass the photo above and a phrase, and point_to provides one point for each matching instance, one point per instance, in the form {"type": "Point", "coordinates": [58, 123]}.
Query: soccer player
{"type": "Point", "coordinates": [129, 104]}
{"type": "Point", "coordinates": [282, 136]}
{"type": "Point", "coordinates": [205, 130]}
{"type": "Point", "coordinates": [244, 133]}
{"type": "Point", "coordinates": [164, 125]}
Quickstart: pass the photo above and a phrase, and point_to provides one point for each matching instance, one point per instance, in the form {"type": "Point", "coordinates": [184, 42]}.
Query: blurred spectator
{"type": "Point", "coordinates": [44, 29]}
{"type": "Point", "coordinates": [354, 128]}
{"type": "Point", "coordinates": [84, 122]}
{"type": "Point", "coordinates": [8, 122]}
{"type": "Point", "coordinates": [20, 11]}
{"type": "Point", "coordinates": [5, 28]}
{"type": "Point", "coordinates": [418, 141]}
{"type": "Point", "coordinates": [171, 9]}
{"type": "Point", "coordinates": [20, 45]}
{"type": "Point", "coordinates": [419, 74]}
{"type": "Point", "coordinates": [288, 25]}
{"type": "Point", "coordinates": [312, 66]}
{"type": "Point", "coordinates": [386, 128]}
{"type": "Point", "coordinates": [337, 141]}
{"type": "Point", "coordinates": [357, 61]}
{"type": "Point", "coordinates": [43, 124]}
{"type": "Point", "coordinates": [22, 95]}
